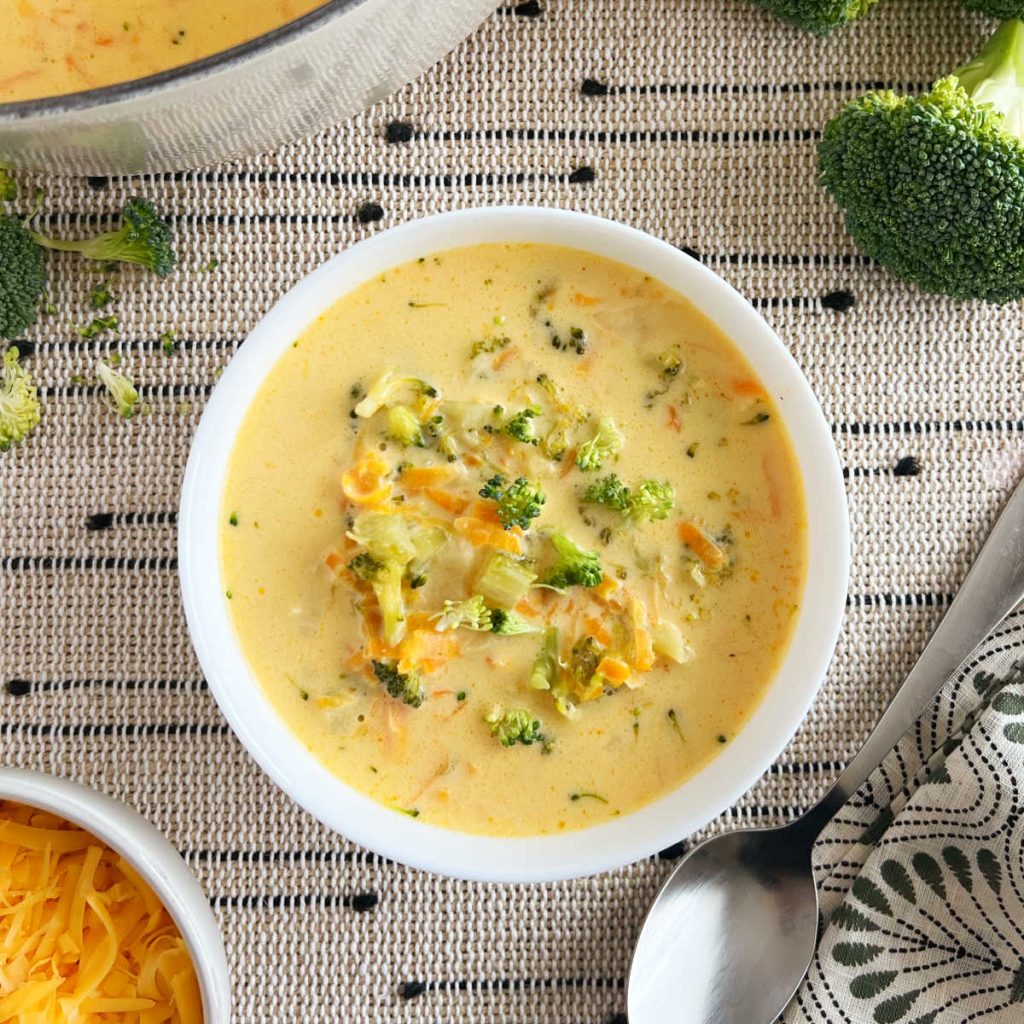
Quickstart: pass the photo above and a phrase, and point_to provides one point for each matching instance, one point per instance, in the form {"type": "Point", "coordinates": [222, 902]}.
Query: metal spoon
{"type": "Point", "coordinates": [732, 933]}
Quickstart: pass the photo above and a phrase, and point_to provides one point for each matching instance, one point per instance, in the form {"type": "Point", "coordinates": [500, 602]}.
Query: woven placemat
{"type": "Point", "coordinates": [692, 119]}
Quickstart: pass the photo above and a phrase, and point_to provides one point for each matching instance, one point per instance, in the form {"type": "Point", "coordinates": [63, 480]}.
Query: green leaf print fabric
{"type": "Point", "coordinates": [921, 876]}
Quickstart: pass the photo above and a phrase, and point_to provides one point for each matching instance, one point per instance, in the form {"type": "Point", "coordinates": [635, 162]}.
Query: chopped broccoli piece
{"type": "Point", "coordinates": [143, 238]}
{"type": "Point", "coordinates": [404, 427]}
{"type": "Point", "coordinates": [22, 277]}
{"type": "Point", "coordinates": [520, 426]}
{"type": "Point", "coordinates": [385, 536]}
{"type": "Point", "coordinates": [503, 581]}
{"type": "Point", "coordinates": [518, 503]}
{"type": "Point", "coordinates": [609, 491]}
{"type": "Point", "coordinates": [168, 343]}
{"type": "Point", "coordinates": [652, 500]}
{"type": "Point", "coordinates": [489, 345]}
{"type": "Point", "coordinates": [933, 187]}
{"type": "Point", "coordinates": [101, 296]}
{"type": "Point", "coordinates": [574, 567]}
{"type": "Point", "coordinates": [472, 613]}
{"type": "Point", "coordinates": [388, 388]}
{"type": "Point", "coordinates": [365, 567]}
{"type": "Point", "coordinates": [97, 326]}
{"type": "Point", "coordinates": [387, 586]}
{"type": "Point", "coordinates": [544, 673]}
{"type": "Point", "coordinates": [124, 398]}
{"type": "Point", "coordinates": [19, 405]}
{"type": "Point", "coordinates": [606, 443]}
{"type": "Point", "coordinates": [583, 660]}
{"type": "Point", "coordinates": [403, 686]}
{"type": "Point", "coordinates": [510, 623]}
{"type": "Point", "coordinates": [8, 186]}
{"type": "Point", "coordinates": [515, 726]}
{"type": "Point", "coordinates": [818, 16]}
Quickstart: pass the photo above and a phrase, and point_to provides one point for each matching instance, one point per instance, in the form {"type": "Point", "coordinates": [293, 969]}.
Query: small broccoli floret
{"type": "Point", "coordinates": [143, 238]}
{"type": "Point", "coordinates": [403, 686]}
{"type": "Point", "coordinates": [515, 726]}
{"type": "Point", "coordinates": [124, 398]}
{"type": "Point", "coordinates": [365, 567]}
{"type": "Point", "coordinates": [606, 443]}
{"type": "Point", "coordinates": [652, 500]}
{"type": "Point", "coordinates": [520, 426]}
{"type": "Point", "coordinates": [387, 390]}
{"type": "Point", "coordinates": [609, 491]}
{"type": "Point", "coordinates": [933, 187]}
{"type": "Point", "coordinates": [544, 673]}
{"type": "Point", "coordinates": [510, 623]}
{"type": "Point", "coordinates": [403, 427]}
{"type": "Point", "coordinates": [472, 613]}
{"type": "Point", "coordinates": [518, 504]}
{"type": "Point", "coordinates": [22, 277]}
{"type": "Point", "coordinates": [489, 345]}
{"type": "Point", "coordinates": [19, 405]}
{"type": "Point", "coordinates": [818, 16]}
{"type": "Point", "coordinates": [503, 581]}
{"type": "Point", "coordinates": [574, 567]}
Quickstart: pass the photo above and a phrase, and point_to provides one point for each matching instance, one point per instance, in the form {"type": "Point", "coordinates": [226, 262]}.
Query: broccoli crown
{"type": "Point", "coordinates": [403, 686]}
{"type": "Point", "coordinates": [933, 187]}
{"type": "Point", "coordinates": [574, 567]}
{"type": "Point", "coordinates": [1001, 9]}
{"type": "Point", "coordinates": [819, 16]}
{"type": "Point", "coordinates": [365, 567]}
{"type": "Point", "coordinates": [143, 238]}
{"type": "Point", "coordinates": [518, 504]}
{"type": "Point", "coordinates": [509, 623]}
{"type": "Point", "coordinates": [515, 726]}
{"type": "Point", "coordinates": [606, 443]}
{"type": "Point", "coordinates": [22, 277]}
{"type": "Point", "coordinates": [19, 406]}
{"type": "Point", "coordinates": [520, 426]}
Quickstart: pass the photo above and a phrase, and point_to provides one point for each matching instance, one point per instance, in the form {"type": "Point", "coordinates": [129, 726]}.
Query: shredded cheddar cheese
{"type": "Point", "coordinates": [83, 939]}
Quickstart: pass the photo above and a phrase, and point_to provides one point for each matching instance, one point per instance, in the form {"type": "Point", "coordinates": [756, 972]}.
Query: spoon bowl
{"type": "Point", "coordinates": [742, 905]}
{"type": "Point", "coordinates": [732, 932]}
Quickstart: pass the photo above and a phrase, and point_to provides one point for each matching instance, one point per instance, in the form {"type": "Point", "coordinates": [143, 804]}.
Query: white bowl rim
{"type": "Point", "coordinates": [602, 847]}
{"type": "Point", "coordinates": [127, 832]}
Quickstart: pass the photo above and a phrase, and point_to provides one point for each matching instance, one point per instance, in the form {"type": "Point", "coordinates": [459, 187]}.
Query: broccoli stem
{"type": "Point", "coordinates": [996, 76]}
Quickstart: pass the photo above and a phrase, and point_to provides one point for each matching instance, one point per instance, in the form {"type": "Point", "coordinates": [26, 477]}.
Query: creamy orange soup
{"type": "Point", "coordinates": [51, 47]}
{"type": "Point", "coordinates": [513, 539]}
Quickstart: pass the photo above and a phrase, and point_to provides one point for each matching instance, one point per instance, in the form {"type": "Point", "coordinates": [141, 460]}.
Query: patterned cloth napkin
{"type": "Point", "coordinates": [922, 876]}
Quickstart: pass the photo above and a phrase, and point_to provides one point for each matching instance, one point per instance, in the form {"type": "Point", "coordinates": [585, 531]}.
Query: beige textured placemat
{"type": "Point", "coordinates": [692, 119]}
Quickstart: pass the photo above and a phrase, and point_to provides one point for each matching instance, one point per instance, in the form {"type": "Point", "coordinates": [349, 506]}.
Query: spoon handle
{"type": "Point", "coordinates": [993, 587]}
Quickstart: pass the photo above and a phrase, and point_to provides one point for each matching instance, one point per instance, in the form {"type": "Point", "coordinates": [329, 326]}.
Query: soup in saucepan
{"type": "Point", "coordinates": [513, 539]}
{"type": "Point", "coordinates": [52, 47]}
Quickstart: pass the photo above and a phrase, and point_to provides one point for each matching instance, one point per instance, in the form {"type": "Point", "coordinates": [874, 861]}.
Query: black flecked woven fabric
{"type": "Point", "coordinates": [692, 119]}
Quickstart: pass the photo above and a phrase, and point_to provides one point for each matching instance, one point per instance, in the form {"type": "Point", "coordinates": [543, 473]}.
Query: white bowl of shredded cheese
{"type": "Point", "coordinates": [98, 985]}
